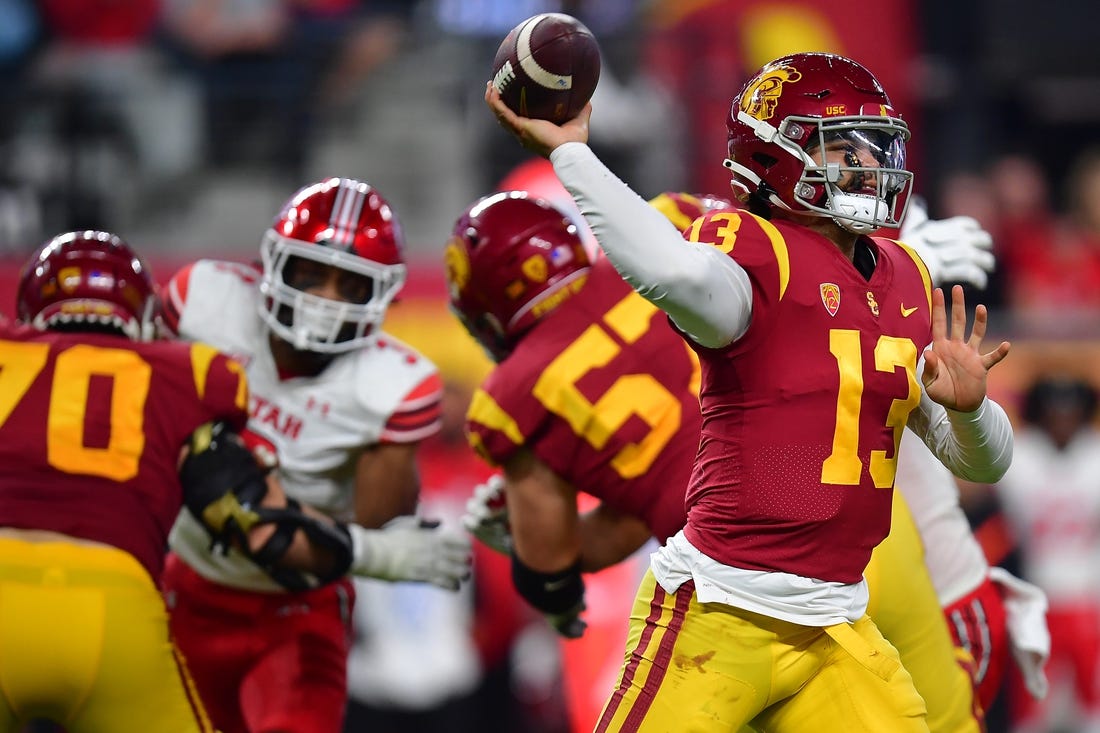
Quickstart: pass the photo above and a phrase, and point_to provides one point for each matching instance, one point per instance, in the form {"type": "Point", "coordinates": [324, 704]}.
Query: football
{"type": "Point", "coordinates": [547, 67]}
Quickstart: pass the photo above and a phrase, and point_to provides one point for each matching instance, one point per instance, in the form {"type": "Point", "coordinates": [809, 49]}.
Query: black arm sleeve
{"type": "Point", "coordinates": [549, 592]}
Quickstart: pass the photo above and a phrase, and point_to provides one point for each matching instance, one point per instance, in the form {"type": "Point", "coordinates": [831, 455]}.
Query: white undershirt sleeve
{"type": "Point", "coordinates": [976, 446]}
{"type": "Point", "coordinates": [706, 293]}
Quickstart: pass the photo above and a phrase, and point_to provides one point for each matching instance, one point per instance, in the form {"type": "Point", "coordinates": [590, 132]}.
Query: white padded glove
{"type": "Point", "coordinates": [486, 515]}
{"type": "Point", "coordinates": [411, 548]}
{"type": "Point", "coordinates": [956, 250]}
{"type": "Point", "coordinates": [1026, 611]}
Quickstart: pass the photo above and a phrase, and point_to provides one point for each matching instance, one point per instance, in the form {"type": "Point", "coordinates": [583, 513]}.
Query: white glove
{"type": "Point", "coordinates": [1026, 611]}
{"type": "Point", "coordinates": [486, 515]}
{"type": "Point", "coordinates": [956, 250]}
{"type": "Point", "coordinates": [411, 548]}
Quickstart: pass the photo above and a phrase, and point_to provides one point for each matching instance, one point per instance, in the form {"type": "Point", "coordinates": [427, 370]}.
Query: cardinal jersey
{"type": "Point", "coordinates": [603, 392]}
{"type": "Point", "coordinates": [91, 428]}
{"type": "Point", "coordinates": [317, 425]}
{"type": "Point", "coordinates": [802, 415]}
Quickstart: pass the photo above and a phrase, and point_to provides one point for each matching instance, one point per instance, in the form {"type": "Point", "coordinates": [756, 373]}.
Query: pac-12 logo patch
{"type": "Point", "coordinates": [830, 297]}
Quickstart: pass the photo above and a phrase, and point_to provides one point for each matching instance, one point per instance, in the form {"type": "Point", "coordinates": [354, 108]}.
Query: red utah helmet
{"type": "Point", "coordinates": [89, 280]}
{"type": "Point", "coordinates": [781, 121]}
{"type": "Point", "coordinates": [341, 223]}
{"type": "Point", "coordinates": [511, 259]}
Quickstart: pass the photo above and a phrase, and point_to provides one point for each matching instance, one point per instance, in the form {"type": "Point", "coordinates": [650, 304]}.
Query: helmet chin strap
{"type": "Point", "coordinates": [856, 212]}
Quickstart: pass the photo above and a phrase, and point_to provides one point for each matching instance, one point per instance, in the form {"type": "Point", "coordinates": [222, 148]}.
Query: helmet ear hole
{"type": "Point", "coordinates": [764, 160]}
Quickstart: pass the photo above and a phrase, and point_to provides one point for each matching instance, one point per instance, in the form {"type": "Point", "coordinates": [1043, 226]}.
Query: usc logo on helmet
{"type": "Point", "coordinates": [457, 264]}
{"type": "Point", "coordinates": [534, 267]}
{"type": "Point", "coordinates": [761, 97]}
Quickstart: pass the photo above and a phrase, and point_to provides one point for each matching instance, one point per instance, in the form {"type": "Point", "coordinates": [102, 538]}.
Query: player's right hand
{"type": "Point", "coordinates": [486, 515]}
{"type": "Point", "coordinates": [411, 548]}
{"type": "Point", "coordinates": [223, 484]}
{"type": "Point", "coordinates": [539, 136]}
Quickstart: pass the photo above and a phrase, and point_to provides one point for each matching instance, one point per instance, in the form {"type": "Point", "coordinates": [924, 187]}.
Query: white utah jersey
{"type": "Point", "coordinates": [1052, 500]}
{"type": "Point", "coordinates": [319, 426]}
{"type": "Point", "coordinates": [954, 558]}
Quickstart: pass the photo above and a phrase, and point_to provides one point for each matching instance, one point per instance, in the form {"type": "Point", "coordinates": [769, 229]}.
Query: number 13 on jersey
{"type": "Point", "coordinates": [843, 466]}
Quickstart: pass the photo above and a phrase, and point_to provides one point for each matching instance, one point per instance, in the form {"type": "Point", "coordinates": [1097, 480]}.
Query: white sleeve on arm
{"type": "Point", "coordinates": [976, 446]}
{"type": "Point", "coordinates": [707, 294]}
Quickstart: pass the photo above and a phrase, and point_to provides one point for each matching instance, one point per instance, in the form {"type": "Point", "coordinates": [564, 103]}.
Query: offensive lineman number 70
{"type": "Point", "coordinates": [74, 367]}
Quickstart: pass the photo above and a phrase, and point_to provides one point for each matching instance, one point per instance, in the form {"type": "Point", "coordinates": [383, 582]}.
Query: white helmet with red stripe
{"type": "Point", "coordinates": [341, 223]}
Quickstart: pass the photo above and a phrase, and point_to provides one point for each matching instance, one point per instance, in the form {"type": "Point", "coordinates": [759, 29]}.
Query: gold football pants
{"type": "Point", "coordinates": [84, 642]}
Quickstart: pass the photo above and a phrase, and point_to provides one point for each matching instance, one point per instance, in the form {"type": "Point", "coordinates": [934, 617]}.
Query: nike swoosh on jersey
{"type": "Point", "coordinates": [906, 312]}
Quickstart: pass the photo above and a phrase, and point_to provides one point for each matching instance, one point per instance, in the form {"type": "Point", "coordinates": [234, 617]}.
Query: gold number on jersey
{"type": "Point", "coordinates": [74, 369]}
{"type": "Point", "coordinates": [728, 231]}
{"type": "Point", "coordinates": [843, 466]}
{"type": "Point", "coordinates": [630, 394]}
{"type": "Point", "coordinates": [19, 364]}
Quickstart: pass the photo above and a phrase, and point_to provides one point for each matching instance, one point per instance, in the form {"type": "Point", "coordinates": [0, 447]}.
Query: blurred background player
{"type": "Point", "coordinates": [1051, 500]}
{"type": "Point", "coordinates": [505, 267]}
{"type": "Point", "coordinates": [426, 660]}
{"type": "Point", "coordinates": [96, 419]}
{"type": "Point", "coordinates": [343, 406]}
{"type": "Point", "coordinates": [774, 559]}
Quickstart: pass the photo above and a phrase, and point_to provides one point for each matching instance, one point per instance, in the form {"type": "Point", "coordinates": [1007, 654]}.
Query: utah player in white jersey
{"type": "Point", "coordinates": [1052, 504]}
{"type": "Point", "coordinates": [342, 405]}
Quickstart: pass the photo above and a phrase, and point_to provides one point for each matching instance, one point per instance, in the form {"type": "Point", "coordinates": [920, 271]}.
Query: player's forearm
{"type": "Point", "coordinates": [608, 538]}
{"type": "Point", "coordinates": [304, 556]}
{"type": "Point", "coordinates": [976, 446]}
{"type": "Point", "coordinates": [706, 293]}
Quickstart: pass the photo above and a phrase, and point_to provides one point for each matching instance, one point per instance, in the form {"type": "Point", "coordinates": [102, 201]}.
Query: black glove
{"type": "Point", "coordinates": [222, 484]}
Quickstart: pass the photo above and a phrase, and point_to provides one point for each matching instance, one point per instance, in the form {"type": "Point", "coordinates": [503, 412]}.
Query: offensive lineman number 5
{"type": "Point", "coordinates": [641, 395]}
{"type": "Point", "coordinates": [21, 363]}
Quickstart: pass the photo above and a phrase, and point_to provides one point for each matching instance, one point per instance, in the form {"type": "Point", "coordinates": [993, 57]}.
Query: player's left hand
{"type": "Point", "coordinates": [541, 137]}
{"type": "Point", "coordinates": [955, 370]}
{"type": "Point", "coordinates": [486, 515]}
{"type": "Point", "coordinates": [956, 250]}
{"type": "Point", "coordinates": [410, 548]}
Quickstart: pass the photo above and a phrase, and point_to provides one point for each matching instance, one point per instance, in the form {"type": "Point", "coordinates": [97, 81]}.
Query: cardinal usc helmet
{"type": "Point", "coordinates": [89, 281]}
{"type": "Point", "coordinates": [340, 223]}
{"type": "Point", "coordinates": [794, 109]}
{"type": "Point", "coordinates": [511, 259]}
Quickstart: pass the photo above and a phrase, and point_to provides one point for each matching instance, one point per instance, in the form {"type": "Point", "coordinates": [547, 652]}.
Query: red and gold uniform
{"type": "Point", "coordinates": [800, 440]}
{"type": "Point", "coordinates": [91, 428]}
{"type": "Point", "coordinates": [794, 477]}
{"type": "Point", "coordinates": [603, 392]}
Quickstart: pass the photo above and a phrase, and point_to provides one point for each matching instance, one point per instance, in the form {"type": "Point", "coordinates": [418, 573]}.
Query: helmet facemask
{"type": "Point", "coordinates": [839, 190]}
{"type": "Point", "coordinates": [861, 196]}
{"type": "Point", "coordinates": [313, 323]}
